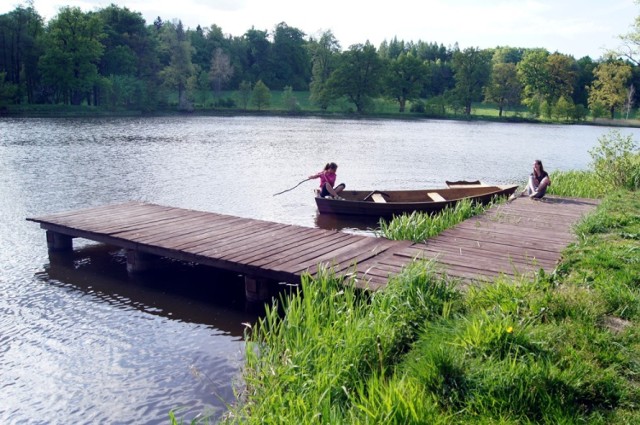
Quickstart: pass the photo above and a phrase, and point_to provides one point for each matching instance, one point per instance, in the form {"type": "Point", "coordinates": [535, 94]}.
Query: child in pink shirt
{"type": "Point", "coordinates": [328, 180]}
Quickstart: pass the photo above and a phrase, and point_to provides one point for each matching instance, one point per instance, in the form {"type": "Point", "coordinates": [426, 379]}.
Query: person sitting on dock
{"type": "Point", "coordinates": [539, 181]}
{"type": "Point", "coordinates": [328, 180]}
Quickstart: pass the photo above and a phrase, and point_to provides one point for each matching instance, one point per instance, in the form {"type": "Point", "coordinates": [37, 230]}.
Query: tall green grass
{"type": "Point", "coordinates": [615, 164]}
{"type": "Point", "coordinates": [419, 226]}
{"type": "Point", "coordinates": [516, 356]}
{"type": "Point", "coordinates": [307, 363]}
{"type": "Point", "coordinates": [580, 184]}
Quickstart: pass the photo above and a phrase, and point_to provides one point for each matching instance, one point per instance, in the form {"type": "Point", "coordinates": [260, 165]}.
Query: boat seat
{"type": "Point", "coordinates": [436, 197]}
{"type": "Point", "coordinates": [377, 197]}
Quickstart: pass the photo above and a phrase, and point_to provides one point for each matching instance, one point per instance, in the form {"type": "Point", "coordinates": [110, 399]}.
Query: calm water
{"type": "Point", "coordinates": [81, 342]}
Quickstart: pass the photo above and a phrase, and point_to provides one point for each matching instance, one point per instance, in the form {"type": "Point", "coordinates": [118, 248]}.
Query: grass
{"type": "Point", "coordinates": [420, 226]}
{"type": "Point", "coordinates": [206, 102]}
{"type": "Point", "coordinates": [308, 365]}
{"type": "Point", "coordinates": [581, 184]}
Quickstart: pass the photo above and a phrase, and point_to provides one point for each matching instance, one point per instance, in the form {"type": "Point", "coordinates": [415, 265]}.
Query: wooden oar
{"type": "Point", "coordinates": [291, 188]}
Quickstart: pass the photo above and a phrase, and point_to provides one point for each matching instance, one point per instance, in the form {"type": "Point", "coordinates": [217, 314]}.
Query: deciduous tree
{"type": "Point", "coordinates": [505, 54]}
{"type": "Point", "coordinates": [20, 51]}
{"type": "Point", "coordinates": [472, 68]}
{"type": "Point", "coordinates": [585, 77]}
{"type": "Point", "coordinates": [261, 95]}
{"type": "Point", "coordinates": [325, 53]}
{"type": "Point", "coordinates": [404, 79]}
{"type": "Point", "coordinates": [609, 88]}
{"type": "Point", "coordinates": [290, 58]}
{"type": "Point", "coordinates": [244, 94]}
{"type": "Point", "coordinates": [7, 90]}
{"type": "Point", "coordinates": [358, 75]}
{"type": "Point", "coordinates": [564, 109]}
{"type": "Point", "coordinates": [130, 60]}
{"type": "Point", "coordinates": [533, 74]}
{"type": "Point", "coordinates": [504, 87]}
{"type": "Point", "coordinates": [630, 48]}
{"type": "Point", "coordinates": [221, 69]}
{"type": "Point", "coordinates": [289, 100]}
{"type": "Point", "coordinates": [562, 72]}
{"type": "Point", "coordinates": [180, 69]}
{"type": "Point", "coordinates": [72, 52]}
{"type": "Point", "coordinates": [257, 52]}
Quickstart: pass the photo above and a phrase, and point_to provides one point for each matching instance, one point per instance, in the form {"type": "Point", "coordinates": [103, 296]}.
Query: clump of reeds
{"type": "Point", "coordinates": [577, 184]}
{"type": "Point", "coordinates": [419, 226]}
{"type": "Point", "coordinates": [308, 358]}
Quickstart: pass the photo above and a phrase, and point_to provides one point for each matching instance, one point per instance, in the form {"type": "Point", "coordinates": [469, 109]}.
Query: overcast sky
{"type": "Point", "coordinates": [575, 27]}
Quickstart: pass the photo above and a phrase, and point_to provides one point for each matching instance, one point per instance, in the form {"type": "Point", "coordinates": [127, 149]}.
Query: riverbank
{"type": "Point", "coordinates": [482, 113]}
{"type": "Point", "coordinates": [559, 348]}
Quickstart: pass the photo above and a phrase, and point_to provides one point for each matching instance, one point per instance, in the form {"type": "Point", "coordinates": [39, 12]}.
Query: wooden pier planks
{"type": "Point", "coordinates": [520, 237]}
{"type": "Point", "coordinates": [516, 238]}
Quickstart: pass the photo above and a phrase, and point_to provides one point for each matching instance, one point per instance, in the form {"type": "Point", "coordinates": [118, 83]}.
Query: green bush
{"type": "Point", "coordinates": [418, 106]}
{"type": "Point", "coordinates": [225, 103]}
{"type": "Point", "coordinates": [616, 161]}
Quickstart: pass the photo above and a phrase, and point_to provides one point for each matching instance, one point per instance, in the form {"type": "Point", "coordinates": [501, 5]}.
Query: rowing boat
{"type": "Point", "coordinates": [387, 203]}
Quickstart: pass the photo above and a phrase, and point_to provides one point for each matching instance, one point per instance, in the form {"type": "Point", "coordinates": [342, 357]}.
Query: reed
{"type": "Point", "coordinates": [579, 184]}
{"type": "Point", "coordinates": [420, 226]}
{"type": "Point", "coordinates": [307, 358]}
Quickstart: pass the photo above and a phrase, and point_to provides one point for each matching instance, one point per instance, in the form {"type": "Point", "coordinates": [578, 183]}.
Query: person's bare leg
{"type": "Point", "coordinates": [330, 189]}
{"type": "Point", "coordinates": [530, 189]}
{"type": "Point", "coordinates": [541, 190]}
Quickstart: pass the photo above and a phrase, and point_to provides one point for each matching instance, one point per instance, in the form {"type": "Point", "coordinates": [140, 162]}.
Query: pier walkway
{"type": "Point", "coordinates": [517, 238]}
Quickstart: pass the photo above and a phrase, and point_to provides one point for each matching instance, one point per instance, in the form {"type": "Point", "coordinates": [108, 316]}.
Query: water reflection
{"type": "Point", "coordinates": [126, 348]}
{"type": "Point", "coordinates": [190, 293]}
{"type": "Point", "coordinates": [351, 224]}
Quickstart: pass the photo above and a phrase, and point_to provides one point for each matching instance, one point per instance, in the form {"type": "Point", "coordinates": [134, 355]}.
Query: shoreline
{"type": "Point", "coordinates": [90, 112]}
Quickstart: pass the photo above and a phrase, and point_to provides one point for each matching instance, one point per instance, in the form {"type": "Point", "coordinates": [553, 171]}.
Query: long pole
{"type": "Point", "coordinates": [291, 188]}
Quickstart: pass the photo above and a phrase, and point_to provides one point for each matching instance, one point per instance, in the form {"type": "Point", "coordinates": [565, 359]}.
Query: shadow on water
{"type": "Point", "coordinates": [352, 224]}
{"type": "Point", "coordinates": [177, 290]}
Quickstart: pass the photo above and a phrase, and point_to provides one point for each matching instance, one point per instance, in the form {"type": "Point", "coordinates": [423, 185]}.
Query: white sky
{"type": "Point", "coordinates": [574, 27]}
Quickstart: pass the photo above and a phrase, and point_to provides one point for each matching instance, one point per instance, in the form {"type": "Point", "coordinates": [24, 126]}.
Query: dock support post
{"type": "Point", "coordinates": [256, 289]}
{"type": "Point", "coordinates": [59, 242]}
{"type": "Point", "coordinates": [138, 261]}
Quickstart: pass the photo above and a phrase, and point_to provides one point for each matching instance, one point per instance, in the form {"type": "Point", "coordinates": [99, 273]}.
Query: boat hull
{"type": "Point", "coordinates": [362, 203]}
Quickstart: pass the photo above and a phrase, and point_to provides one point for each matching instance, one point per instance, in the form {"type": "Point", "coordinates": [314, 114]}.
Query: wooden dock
{"type": "Point", "coordinates": [520, 237]}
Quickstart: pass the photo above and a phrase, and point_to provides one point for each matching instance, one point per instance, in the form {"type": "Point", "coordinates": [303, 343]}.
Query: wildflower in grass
{"type": "Point", "coordinates": [510, 330]}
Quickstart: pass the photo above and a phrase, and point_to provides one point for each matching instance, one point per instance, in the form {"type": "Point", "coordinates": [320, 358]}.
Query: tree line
{"type": "Point", "coordinates": [112, 58]}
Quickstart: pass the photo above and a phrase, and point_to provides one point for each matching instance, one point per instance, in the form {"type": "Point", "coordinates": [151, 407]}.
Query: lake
{"type": "Point", "coordinates": [82, 342]}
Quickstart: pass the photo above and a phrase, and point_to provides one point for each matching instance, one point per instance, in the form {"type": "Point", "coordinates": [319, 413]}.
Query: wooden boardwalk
{"type": "Point", "coordinates": [520, 237]}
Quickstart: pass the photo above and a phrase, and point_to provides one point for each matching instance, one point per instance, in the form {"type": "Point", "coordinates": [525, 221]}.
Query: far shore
{"type": "Point", "coordinates": [91, 112]}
